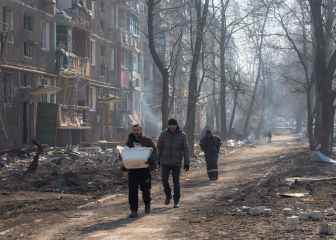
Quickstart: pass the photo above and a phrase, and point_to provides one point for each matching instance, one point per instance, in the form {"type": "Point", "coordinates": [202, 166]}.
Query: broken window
{"type": "Point", "coordinates": [62, 37]}
{"type": "Point", "coordinates": [47, 98]}
{"type": "Point", "coordinates": [25, 80]}
{"type": "Point", "coordinates": [102, 51]}
{"type": "Point", "coordinates": [46, 36]}
{"type": "Point", "coordinates": [102, 69]}
{"type": "Point", "coordinates": [8, 23]}
{"type": "Point", "coordinates": [8, 26]}
{"type": "Point", "coordinates": [93, 52]}
{"type": "Point", "coordinates": [28, 23]}
{"type": "Point", "coordinates": [28, 49]}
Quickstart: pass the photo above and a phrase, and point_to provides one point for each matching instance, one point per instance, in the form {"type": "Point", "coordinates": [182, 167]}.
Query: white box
{"type": "Point", "coordinates": [135, 158]}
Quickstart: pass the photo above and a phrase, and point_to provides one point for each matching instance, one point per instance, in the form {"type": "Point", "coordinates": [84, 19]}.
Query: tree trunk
{"type": "Point", "coordinates": [159, 63]}
{"type": "Point", "coordinates": [323, 73]}
{"type": "Point", "coordinates": [235, 102]}
{"type": "Point", "coordinates": [251, 106]}
{"type": "Point", "coordinates": [193, 81]}
{"type": "Point", "coordinates": [310, 121]}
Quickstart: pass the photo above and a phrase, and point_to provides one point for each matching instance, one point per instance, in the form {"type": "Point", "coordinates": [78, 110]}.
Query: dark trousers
{"type": "Point", "coordinates": [165, 173]}
{"type": "Point", "coordinates": [212, 165]}
{"type": "Point", "coordinates": [139, 178]}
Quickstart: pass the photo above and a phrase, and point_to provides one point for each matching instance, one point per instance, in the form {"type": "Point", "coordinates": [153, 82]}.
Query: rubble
{"type": "Point", "coordinates": [328, 228]}
{"type": "Point", "coordinates": [261, 210]}
{"type": "Point", "coordinates": [293, 222]}
{"type": "Point", "coordinates": [288, 211]}
{"type": "Point", "coordinates": [311, 215]}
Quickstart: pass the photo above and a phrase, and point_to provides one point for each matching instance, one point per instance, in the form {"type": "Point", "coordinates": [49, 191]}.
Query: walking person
{"type": "Point", "coordinates": [173, 149]}
{"type": "Point", "coordinates": [140, 178]}
{"type": "Point", "coordinates": [210, 145]}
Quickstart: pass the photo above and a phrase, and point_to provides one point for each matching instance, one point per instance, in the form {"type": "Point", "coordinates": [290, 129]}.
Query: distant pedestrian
{"type": "Point", "coordinates": [140, 177]}
{"type": "Point", "coordinates": [269, 135]}
{"type": "Point", "coordinates": [173, 148]}
{"type": "Point", "coordinates": [210, 145]}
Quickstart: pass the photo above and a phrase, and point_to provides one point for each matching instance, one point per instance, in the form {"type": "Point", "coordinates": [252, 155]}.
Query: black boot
{"type": "Point", "coordinates": [167, 201]}
{"type": "Point", "coordinates": [134, 214]}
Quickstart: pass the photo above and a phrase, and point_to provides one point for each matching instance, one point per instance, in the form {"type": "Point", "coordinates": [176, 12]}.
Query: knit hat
{"type": "Point", "coordinates": [173, 122]}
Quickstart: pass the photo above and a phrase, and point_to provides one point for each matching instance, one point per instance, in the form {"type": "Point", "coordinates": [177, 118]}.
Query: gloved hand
{"type": "Point", "coordinates": [186, 168]}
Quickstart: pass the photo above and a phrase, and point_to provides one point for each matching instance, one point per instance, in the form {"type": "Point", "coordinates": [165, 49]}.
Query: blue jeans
{"type": "Point", "coordinates": [165, 173]}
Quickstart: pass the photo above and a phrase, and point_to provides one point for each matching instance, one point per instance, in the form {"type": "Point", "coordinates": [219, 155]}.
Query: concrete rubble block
{"type": "Point", "coordinates": [293, 222]}
{"type": "Point", "coordinates": [288, 211]}
{"type": "Point", "coordinates": [330, 212]}
{"type": "Point", "coordinates": [311, 215]}
{"type": "Point", "coordinates": [261, 210]}
{"type": "Point", "coordinates": [328, 228]}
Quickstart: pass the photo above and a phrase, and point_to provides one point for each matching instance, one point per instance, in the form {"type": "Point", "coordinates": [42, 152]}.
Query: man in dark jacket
{"type": "Point", "coordinates": [210, 145]}
{"type": "Point", "coordinates": [173, 148]}
{"type": "Point", "coordinates": [140, 177]}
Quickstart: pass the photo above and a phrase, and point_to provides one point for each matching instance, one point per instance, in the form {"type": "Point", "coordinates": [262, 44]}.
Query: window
{"type": "Point", "coordinates": [102, 25]}
{"type": "Point", "coordinates": [92, 97]}
{"type": "Point", "coordinates": [102, 5]}
{"type": "Point", "coordinates": [135, 62]}
{"type": "Point", "coordinates": [127, 60]}
{"type": "Point", "coordinates": [28, 23]}
{"type": "Point", "coordinates": [8, 23]}
{"type": "Point", "coordinates": [25, 80]}
{"type": "Point", "coordinates": [102, 69]}
{"type": "Point", "coordinates": [7, 19]}
{"type": "Point", "coordinates": [46, 36]}
{"type": "Point", "coordinates": [93, 52]}
{"type": "Point", "coordinates": [140, 65]}
{"type": "Point", "coordinates": [7, 89]}
{"type": "Point", "coordinates": [116, 17]}
{"type": "Point", "coordinates": [28, 49]}
{"type": "Point", "coordinates": [47, 98]}
{"type": "Point", "coordinates": [133, 25]}
{"type": "Point", "coordinates": [102, 51]}
{"type": "Point", "coordinates": [112, 59]}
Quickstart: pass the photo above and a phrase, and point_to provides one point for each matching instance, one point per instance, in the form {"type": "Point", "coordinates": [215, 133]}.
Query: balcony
{"type": "Point", "coordinates": [129, 41]}
{"type": "Point", "coordinates": [73, 117]}
{"type": "Point", "coordinates": [79, 14]}
{"type": "Point", "coordinates": [71, 65]}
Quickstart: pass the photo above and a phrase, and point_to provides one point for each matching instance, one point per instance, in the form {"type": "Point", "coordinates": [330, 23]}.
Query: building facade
{"type": "Point", "coordinates": [71, 71]}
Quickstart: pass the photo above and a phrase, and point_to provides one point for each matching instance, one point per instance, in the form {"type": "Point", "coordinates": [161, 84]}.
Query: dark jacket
{"type": "Point", "coordinates": [210, 145]}
{"type": "Point", "coordinates": [144, 142]}
{"type": "Point", "coordinates": [172, 148]}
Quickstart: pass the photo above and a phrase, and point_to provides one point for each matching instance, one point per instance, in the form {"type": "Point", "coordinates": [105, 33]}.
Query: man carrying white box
{"type": "Point", "coordinates": [139, 173]}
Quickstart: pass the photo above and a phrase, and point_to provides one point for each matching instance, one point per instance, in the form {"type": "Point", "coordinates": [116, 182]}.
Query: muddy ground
{"type": "Point", "coordinates": [90, 201]}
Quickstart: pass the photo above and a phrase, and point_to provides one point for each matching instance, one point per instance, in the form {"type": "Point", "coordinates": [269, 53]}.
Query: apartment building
{"type": "Point", "coordinates": [71, 70]}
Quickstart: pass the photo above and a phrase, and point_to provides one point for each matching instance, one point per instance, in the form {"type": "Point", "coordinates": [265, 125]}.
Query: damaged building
{"type": "Point", "coordinates": [71, 71]}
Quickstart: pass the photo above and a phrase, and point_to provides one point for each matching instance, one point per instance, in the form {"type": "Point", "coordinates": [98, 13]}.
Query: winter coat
{"type": "Point", "coordinates": [173, 148]}
{"type": "Point", "coordinates": [210, 145]}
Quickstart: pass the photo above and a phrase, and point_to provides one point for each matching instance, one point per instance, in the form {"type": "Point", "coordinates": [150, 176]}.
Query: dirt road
{"type": "Point", "coordinates": [106, 218]}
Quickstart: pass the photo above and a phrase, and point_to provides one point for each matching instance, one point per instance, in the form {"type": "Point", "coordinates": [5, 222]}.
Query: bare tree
{"type": "Point", "coordinates": [301, 53]}
{"type": "Point", "coordinates": [166, 67]}
{"type": "Point", "coordinates": [324, 65]}
{"type": "Point", "coordinates": [201, 10]}
{"type": "Point", "coordinates": [260, 37]}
